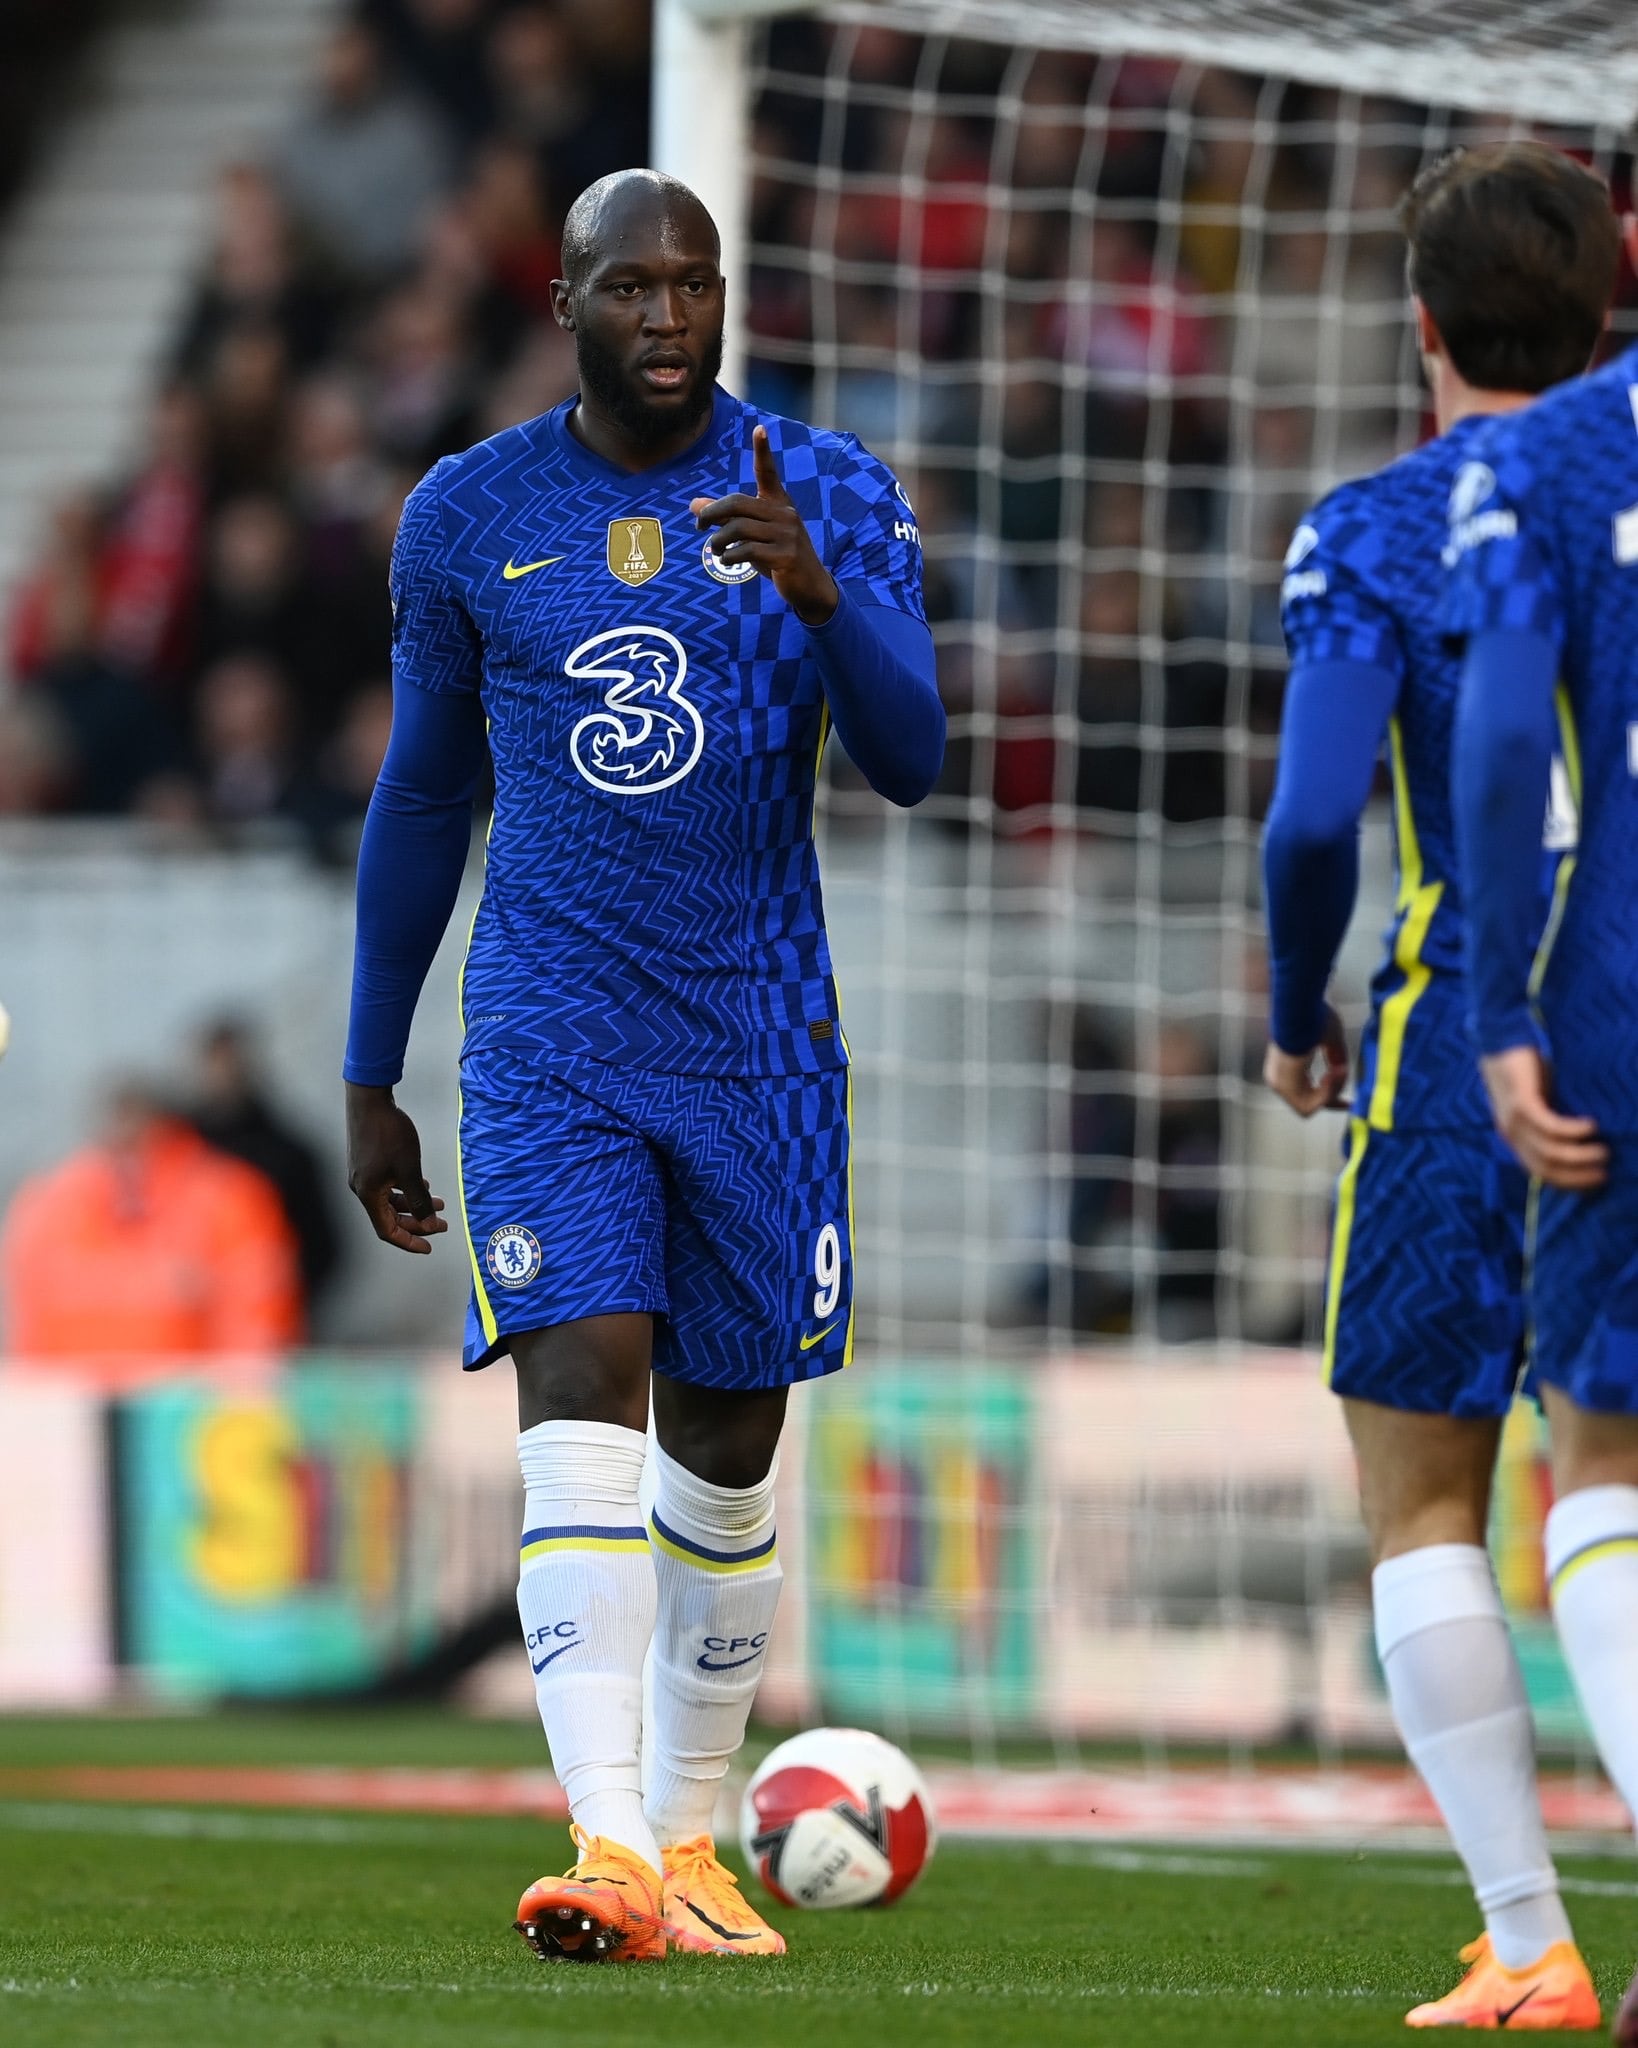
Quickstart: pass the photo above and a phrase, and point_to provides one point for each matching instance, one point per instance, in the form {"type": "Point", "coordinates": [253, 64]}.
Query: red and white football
{"type": "Point", "coordinates": [837, 1817]}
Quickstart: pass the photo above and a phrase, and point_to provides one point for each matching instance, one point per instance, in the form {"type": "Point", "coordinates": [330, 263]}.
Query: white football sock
{"type": "Point", "coordinates": [716, 1558]}
{"type": "Point", "coordinates": [1459, 1701]}
{"type": "Point", "coordinates": [586, 1600]}
{"type": "Point", "coordinates": [1592, 1563]}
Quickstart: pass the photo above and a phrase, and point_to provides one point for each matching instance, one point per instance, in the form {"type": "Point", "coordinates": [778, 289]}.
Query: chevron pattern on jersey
{"type": "Point", "coordinates": [700, 1199]}
{"type": "Point", "coordinates": [648, 900]}
{"type": "Point", "coordinates": [1366, 583]}
{"type": "Point", "coordinates": [1430, 1319]}
{"type": "Point", "coordinates": [1565, 565]}
{"type": "Point", "coordinates": [1584, 1292]}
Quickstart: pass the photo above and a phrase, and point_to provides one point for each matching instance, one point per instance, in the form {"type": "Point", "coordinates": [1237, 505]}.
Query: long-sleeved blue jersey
{"type": "Point", "coordinates": [1544, 546]}
{"type": "Point", "coordinates": [655, 718]}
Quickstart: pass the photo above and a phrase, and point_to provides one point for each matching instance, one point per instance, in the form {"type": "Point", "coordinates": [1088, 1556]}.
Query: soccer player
{"type": "Point", "coordinates": [1511, 266]}
{"type": "Point", "coordinates": [1544, 537]}
{"type": "Point", "coordinates": [658, 599]}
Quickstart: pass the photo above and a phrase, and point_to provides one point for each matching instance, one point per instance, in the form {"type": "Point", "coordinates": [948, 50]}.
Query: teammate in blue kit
{"type": "Point", "coordinates": [1512, 258]}
{"type": "Point", "coordinates": [1544, 597]}
{"type": "Point", "coordinates": [658, 600]}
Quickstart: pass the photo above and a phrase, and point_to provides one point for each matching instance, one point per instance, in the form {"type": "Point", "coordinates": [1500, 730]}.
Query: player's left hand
{"type": "Point", "coordinates": [1564, 1151]}
{"type": "Point", "coordinates": [1312, 1080]}
{"type": "Point", "coordinates": [767, 531]}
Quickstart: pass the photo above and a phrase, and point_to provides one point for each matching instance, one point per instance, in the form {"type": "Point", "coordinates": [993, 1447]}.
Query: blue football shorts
{"type": "Point", "coordinates": [1424, 1306]}
{"type": "Point", "coordinates": [720, 1207]}
{"type": "Point", "coordinates": [1583, 1289]}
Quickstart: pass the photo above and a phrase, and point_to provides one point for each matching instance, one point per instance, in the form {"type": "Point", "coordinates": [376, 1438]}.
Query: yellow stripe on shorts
{"type": "Point", "coordinates": [1359, 1133]}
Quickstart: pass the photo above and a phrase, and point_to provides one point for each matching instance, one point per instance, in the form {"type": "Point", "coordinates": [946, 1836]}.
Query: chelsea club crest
{"type": "Point", "coordinates": [725, 572]}
{"type": "Point", "coordinates": [513, 1256]}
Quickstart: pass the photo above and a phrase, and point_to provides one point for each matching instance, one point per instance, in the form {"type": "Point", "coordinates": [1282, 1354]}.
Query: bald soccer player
{"type": "Point", "coordinates": [657, 600]}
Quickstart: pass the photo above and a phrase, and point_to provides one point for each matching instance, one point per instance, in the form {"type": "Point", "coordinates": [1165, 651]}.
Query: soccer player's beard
{"type": "Point", "coordinates": [605, 378]}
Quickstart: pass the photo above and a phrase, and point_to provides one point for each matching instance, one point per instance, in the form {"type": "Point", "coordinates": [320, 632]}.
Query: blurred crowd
{"type": "Point", "coordinates": [206, 642]}
{"type": "Point", "coordinates": [1114, 320]}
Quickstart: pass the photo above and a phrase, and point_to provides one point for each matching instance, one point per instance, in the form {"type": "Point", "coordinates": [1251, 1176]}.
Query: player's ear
{"type": "Point", "coordinates": [1629, 235]}
{"type": "Point", "coordinates": [1429, 341]}
{"type": "Point", "coordinates": [563, 303]}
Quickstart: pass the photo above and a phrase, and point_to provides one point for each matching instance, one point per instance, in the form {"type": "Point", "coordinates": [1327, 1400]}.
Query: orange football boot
{"type": "Point", "coordinates": [704, 1908]}
{"type": "Point", "coordinates": [608, 1909]}
{"type": "Point", "coordinates": [1554, 1994]}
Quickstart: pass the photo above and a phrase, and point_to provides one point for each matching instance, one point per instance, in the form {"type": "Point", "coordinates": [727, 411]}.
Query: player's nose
{"type": "Point", "coordinates": [666, 312]}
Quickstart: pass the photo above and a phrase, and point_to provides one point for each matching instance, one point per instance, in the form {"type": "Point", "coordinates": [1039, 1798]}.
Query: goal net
{"type": "Point", "coordinates": [1116, 303]}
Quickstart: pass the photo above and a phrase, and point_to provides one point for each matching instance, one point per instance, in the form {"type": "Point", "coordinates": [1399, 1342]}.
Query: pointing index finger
{"type": "Point", "coordinates": [769, 483]}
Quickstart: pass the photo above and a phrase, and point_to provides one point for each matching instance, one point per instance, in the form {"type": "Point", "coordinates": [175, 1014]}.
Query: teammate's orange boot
{"type": "Point", "coordinates": [704, 1907]}
{"type": "Point", "coordinates": [1552, 1994]}
{"type": "Point", "coordinates": [608, 1909]}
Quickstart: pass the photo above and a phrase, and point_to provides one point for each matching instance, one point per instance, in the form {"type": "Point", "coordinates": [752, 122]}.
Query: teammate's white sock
{"type": "Point", "coordinates": [1459, 1701]}
{"type": "Point", "coordinates": [1592, 1564]}
{"type": "Point", "coordinates": [716, 1557]}
{"type": "Point", "coordinates": [586, 1600]}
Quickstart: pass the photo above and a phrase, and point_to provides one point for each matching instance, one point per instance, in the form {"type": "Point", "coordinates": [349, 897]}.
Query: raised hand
{"type": "Point", "coordinates": [767, 531]}
{"type": "Point", "coordinates": [384, 1171]}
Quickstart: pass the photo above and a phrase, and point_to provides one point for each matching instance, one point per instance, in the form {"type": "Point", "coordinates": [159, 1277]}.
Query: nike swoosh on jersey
{"type": "Point", "coordinates": [567, 1647]}
{"type": "Point", "coordinates": [514, 570]}
{"type": "Point", "coordinates": [818, 1337]}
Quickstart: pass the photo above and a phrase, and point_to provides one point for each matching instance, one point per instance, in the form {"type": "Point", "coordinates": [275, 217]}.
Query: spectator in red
{"type": "Point", "coordinates": [124, 568]}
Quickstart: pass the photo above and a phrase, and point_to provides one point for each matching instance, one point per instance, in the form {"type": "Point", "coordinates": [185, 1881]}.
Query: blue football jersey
{"type": "Point", "coordinates": [1544, 539]}
{"type": "Point", "coordinates": [651, 892]}
{"type": "Point", "coordinates": [1365, 582]}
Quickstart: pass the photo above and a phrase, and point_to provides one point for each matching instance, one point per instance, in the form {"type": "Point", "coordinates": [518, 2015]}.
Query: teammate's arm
{"type": "Point", "coordinates": [1335, 715]}
{"type": "Point", "coordinates": [875, 661]}
{"type": "Point", "coordinates": [410, 863]}
{"type": "Point", "coordinates": [1347, 664]}
{"type": "Point", "coordinates": [1502, 764]}
{"type": "Point", "coordinates": [1504, 603]}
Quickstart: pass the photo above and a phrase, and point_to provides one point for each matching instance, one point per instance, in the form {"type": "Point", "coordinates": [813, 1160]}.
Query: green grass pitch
{"type": "Point", "coordinates": [129, 1927]}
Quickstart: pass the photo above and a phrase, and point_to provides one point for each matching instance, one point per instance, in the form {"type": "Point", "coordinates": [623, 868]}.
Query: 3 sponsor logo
{"type": "Point", "coordinates": [648, 735]}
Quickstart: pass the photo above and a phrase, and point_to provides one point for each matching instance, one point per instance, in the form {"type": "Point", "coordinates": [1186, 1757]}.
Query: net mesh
{"type": "Point", "coordinates": [1568, 60]}
{"type": "Point", "coordinates": [1115, 319]}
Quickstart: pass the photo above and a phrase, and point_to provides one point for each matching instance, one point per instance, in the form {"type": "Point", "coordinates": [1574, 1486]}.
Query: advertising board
{"type": "Point", "coordinates": [268, 1535]}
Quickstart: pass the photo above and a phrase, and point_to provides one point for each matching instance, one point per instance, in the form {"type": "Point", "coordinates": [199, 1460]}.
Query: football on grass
{"type": "Point", "coordinates": [837, 1817]}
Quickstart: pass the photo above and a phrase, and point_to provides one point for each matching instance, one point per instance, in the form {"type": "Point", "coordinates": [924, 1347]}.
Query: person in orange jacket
{"type": "Point", "coordinates": [147, 1244]}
